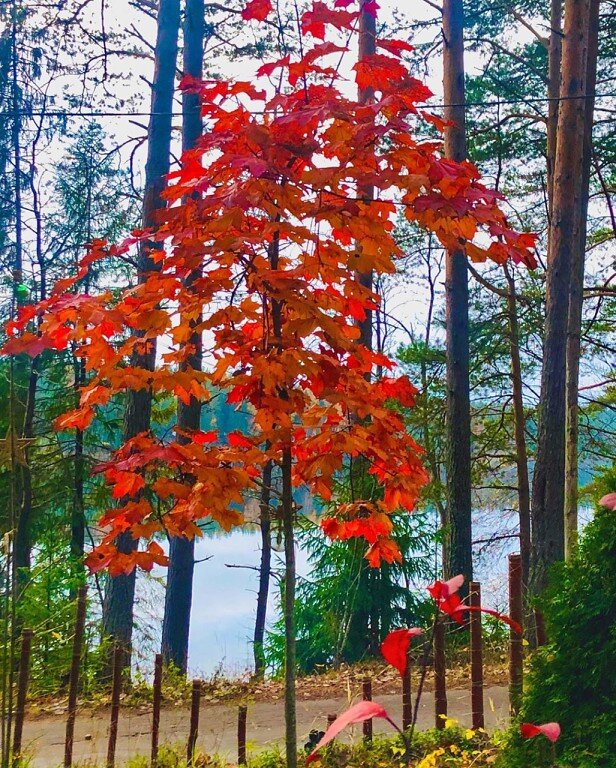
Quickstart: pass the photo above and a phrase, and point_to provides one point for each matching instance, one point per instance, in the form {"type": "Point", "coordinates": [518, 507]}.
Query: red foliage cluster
{"type": "Point", "coordinates": [267, 208]}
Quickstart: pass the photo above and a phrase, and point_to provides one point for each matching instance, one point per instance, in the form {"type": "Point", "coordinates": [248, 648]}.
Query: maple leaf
{"type": "Point", "coordinates": [100, 558]}
{"type": "Point", "coordinates": [395, 647]}
{"type": "Point", "coordinates": [28, 343]}
{"type": "Point", "coordinates": [126, 484]}
{"type": "Point", "coordinates": [269, 68]}
{"type": "Point", "coordinates": [315, 20]}
{"type": "Point", "coordinates": [201, 438]}
{"type": "Point", "coordinates": [396, 47]}
{"type": "Point", "coordinates": [383, 549]}
{"type": "Point", "coordinates": [257, 10]}
{"type": "Point", "coordinates": [551, 731]}
{"type": "Point", "coordinates": [237, 440]}
{"type": "Point", "coordinates": [80, 418]}
{"type": "Point", "coordinates": [609, 501]}
{"type": "Point", "coordinates": [364, 710]}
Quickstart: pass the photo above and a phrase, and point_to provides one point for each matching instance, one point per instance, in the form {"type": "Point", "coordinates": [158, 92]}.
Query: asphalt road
{"type": "Point", "coordinates": [44, 736]}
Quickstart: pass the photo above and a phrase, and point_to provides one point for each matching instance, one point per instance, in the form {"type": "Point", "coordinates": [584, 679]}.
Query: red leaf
{"type": "Point", "coordinates": [394, 46]}
{"type": "Point", "coordinates": [441, 590]}
{"type": "Point", "coordinates": [127, 484]}
{"type": "Point", "coordinates": [396, 646]}
{"type": "Point", "coordinates": [100, 557]}
{"type": "Point", "coordinates": [257, 10]}
{"type": "Point", "coordinates": [365, 710]}
{"type": "Point", "coordinates": [445, 594]}
{"type": "Point", "coordinates": [609, 501]}
{"type": "Point", "coordinates": [270, 67]}
{"type": "Point", "coordinates": [500, 616]}
{"type": "Point", "coordinates": [77, 419]}
{"type": "Point", "coordinates": [201, 438]}
{"type": "Point", "coordinates": [369, 6]}
{"type": "Point", "coordinates": [28, 344]}
{"type": "Point", "coordinates": [551, 731]}
{"type": "Point", "coordinates": [383, 549]}
{"type": "Point", "coordinates": [315, 20]}
{"type": "Point", "coordinates": [237, 440]}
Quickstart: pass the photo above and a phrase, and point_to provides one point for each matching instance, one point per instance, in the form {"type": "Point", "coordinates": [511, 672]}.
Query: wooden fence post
{"type": "Point", "coordinates": [440, 680]}
{"type": "Point", "coordinates": [516, 649]}
{"type": "Point", "coordinates": [478, 718]}
{"type": "Point", "coordinates": [241, 734]}
{"type": "Point", "coordinates": [195, 703]}
{"type": "Point", "coordinates": [367, 696]}
{"type": "Point", "coordinates": [540, 628]}
{"type": "Point", "coordinates": [22, 690]}
{"type": "Point", "coordinates": [116, 690]}
{"type": "Point", "coordinates": [156, 702]}
{"type": "Point", "coordinates": [407, 703]}
{"type": "Point", "coordinates": [73, 685]}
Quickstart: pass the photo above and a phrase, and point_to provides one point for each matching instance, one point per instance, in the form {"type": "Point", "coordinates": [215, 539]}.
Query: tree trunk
{"type": "Point", "coordinates": [178, 596]}
{"type": "Point", "coordinates": [367, 48]}
{"type": "Point", "coordinates": [574, 325]}
{"type": "Point", "coordinates": [555, 46]}
{"type": "Point", "coordinates": [549, 474]}
{"type": "Point", "coordinates": [290, 657]}
{"type": "Point", "coordinates": [119, 599]}
{"type": "Point", "coordinates": [265, 566]}
{"type": "Point", "coordinates": [521, 453]}
{"type": "Point", "coordinates": [458, 555]}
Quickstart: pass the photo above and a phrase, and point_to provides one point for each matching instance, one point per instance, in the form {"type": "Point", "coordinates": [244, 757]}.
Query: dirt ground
{"type": "Point", "coordinates": [44, 734]}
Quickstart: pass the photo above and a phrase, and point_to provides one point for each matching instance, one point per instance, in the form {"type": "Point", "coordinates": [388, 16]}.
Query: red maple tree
{"type": "Point", "coordinates": [268, 209]}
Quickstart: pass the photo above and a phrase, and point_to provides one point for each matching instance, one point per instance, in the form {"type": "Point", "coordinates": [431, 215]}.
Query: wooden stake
{"type": "Point", "coordinates": [116, 690]}
{"type": "Point", "coordinates": [516, 649]}
{"type": "Point", "coordinates": [195, 702]}
{"type": "Point", "coordinates": [73, 685]}
{"type": "Point", "coordinates": [367, 696]}
{"type": "Point", "coordinates": [540, 628]}
{"type": "Point", "coordinates": [241, 734]}
{"type": "Point", "coordinates": [156, 702]}
{"type": "Point", "coordinates": [22, 690]}
{"type": "Point", "coordinates": [476, 657]}
{"type": "Point", "coordinates": [407, 703]}
{"type": "Point", "coordinates": [440, 679]}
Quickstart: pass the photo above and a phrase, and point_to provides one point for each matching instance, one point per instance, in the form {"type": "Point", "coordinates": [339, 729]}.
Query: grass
{"type": "Point", "coordinates": [453, 747]}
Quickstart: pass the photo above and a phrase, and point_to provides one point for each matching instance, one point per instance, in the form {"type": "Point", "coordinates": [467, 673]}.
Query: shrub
{"type": "Point", "coordinates": [572, 680]}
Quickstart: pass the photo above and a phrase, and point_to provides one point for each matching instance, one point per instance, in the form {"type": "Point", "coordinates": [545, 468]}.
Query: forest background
{"type": "Point", "coordinates": [80, 147]}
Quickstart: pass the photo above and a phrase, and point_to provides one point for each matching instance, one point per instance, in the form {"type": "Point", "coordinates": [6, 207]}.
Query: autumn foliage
{"type": "Point", "coordinates": [267, 207]}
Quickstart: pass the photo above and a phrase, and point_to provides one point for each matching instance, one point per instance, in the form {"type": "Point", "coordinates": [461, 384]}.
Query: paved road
{"type": "Point", "coordinates": [44, 737]}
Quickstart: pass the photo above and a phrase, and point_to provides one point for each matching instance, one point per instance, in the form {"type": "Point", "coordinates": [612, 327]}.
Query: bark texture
{"type": "Point", "coordinates": [457, 554]}
{"type": "Point", "coordinates": [574, 325]}
{"type": "Point", "coordinates": [265, 565]}
{"type": "Point", "coordinates": [120, 594]}
{"type": "Point", "coordinates": [178, 595]}
{"type": "Point", "coordinates": [549, 475]}
{"type": "Point", "coordinates": [521, 452]}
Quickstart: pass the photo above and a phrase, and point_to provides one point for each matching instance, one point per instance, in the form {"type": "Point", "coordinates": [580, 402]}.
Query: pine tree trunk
{"type": "Point", "coordinates": [549, 474]}
{"type": "Point", "coordinates": [574, 325]}
{"type": "Point", "coordinates": [265, 566]}
{"type": "Point", "coordinates": [458, 555]}
{"type": "Point", "coordinates": [555, 47]}
{"type": "Point", "coordinates": [120, 596]}
{"type": "Point", "coordinates": [178, 595]}
{"type": "Point", "coordinates": [521, 453]}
